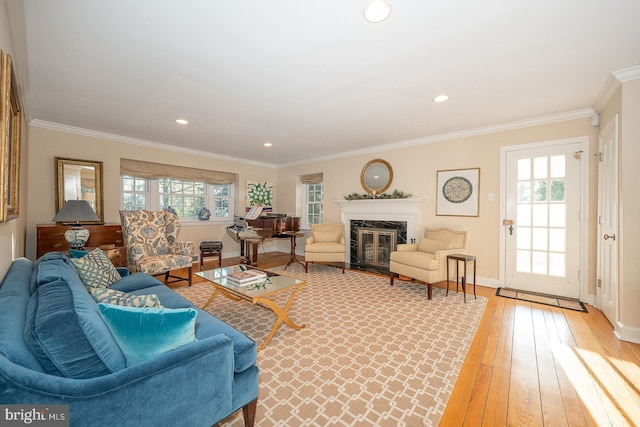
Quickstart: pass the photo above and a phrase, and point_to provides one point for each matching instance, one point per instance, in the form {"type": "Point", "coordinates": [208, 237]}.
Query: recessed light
{"type": "Point", "coordinates": [377, 11]}
{"type": "Point", "coordinates": [267, 144]}
{"type": "Point", "coordinates": [182, 121]}
{"type": "Point", "coordinates": [441, 98]}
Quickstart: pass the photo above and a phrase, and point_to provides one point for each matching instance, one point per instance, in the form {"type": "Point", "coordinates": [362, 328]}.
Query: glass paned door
{"type": "Point", "coordinates": [543, 201]}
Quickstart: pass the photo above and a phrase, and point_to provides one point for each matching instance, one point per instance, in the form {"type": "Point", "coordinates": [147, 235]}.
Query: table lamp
{"type": "Point", "coordinates": [73, 212]}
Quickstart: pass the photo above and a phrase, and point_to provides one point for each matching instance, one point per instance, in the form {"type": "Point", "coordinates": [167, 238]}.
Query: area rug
{"type": "Point", "coordinates": [370, 354]}
{"type": "Point", "coordinates": [554, 301]}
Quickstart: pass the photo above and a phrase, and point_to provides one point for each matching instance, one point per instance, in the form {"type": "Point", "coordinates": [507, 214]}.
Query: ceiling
{"type": "Point", "coordinates": [312, 77]}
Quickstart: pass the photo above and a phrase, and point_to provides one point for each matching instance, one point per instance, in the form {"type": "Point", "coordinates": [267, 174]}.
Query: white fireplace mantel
{"type": "Point", "coordinates": [407, 210]}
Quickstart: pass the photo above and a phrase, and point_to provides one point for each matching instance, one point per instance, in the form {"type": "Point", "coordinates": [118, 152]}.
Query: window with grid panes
{"type": "Point", "coordinates": [185, 197]}
{"type": "Point", "coordinates": [135, 192]}
{"type": "Point", "coordinates": [313, 203]}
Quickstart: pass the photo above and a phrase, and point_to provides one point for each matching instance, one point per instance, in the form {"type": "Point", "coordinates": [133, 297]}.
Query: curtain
{"type": "Point", "coordinates": [312, 178]}
{"type": "Point", "coordinates": [141, 169]}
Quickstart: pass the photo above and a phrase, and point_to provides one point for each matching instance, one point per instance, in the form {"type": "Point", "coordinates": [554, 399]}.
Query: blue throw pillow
{"type": "Point", "coordinates": [144, 333]}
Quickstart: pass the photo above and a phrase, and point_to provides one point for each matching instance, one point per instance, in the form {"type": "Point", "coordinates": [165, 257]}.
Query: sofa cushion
{"type": "Point", "coordinates": [430, 245]}
{"type": "Point", "coordinates": [135, 281]}
{"type": "Point", "coordinates": [424, 260]}
{"type": "Point", "coordinates": [50, 267]}
{"type": "Point", "coordinates": [14, 298]}
{"type": "Point", "coordinates": [96, 270]}
{"type": "Point", "coordinates": [66, 333]}
{"type": "Point", "coordinates": [144, 333]}
{"type": "Point", "coordinates": [325, 247]}
{"type": "Point", "coordinates": [326, 236]}
{"type": "Point", "coordinates": [111, 296]}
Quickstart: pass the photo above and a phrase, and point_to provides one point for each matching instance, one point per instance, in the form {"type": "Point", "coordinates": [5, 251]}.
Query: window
{"type": "Point", "coordinates": [313, 203]}
{"type": "Point", "coordinates": [185, 197]}
{"type": "Point", "coordinates": [134, 193]}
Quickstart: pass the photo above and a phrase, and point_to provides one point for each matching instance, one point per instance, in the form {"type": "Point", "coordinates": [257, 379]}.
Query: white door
{"type": "Point", "coordinates": [608, 220]}
{"type": "Point", "coordinates": [543, 199]}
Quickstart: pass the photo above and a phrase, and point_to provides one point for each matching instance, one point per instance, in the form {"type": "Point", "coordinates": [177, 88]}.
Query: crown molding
{"type": "Point", "coordinates": [610, 87]}
{"type": "Point", "coordinates": [141, 142]}
{"type": "Point", "coordinates": [627, 74]}
{"type": "Point", "coordinates": [484, 130]}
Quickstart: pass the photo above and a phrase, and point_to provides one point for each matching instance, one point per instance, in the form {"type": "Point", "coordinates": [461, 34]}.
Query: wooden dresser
{"type": "Point", "coordinates": [50, 237]}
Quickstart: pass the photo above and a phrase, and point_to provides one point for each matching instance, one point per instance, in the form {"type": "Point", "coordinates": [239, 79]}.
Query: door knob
{"type": "Point", "coordinates": [607, 237]}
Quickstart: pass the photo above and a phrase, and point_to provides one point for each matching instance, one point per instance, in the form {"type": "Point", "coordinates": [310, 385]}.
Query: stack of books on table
{"type": "Point", "coordinates": [247, 277]}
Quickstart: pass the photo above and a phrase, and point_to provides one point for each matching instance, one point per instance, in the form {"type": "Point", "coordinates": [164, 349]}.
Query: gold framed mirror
{"type": "Point", "coordinates": [376, 177]}
{"type": "Point", "coordinates": [80, 180]}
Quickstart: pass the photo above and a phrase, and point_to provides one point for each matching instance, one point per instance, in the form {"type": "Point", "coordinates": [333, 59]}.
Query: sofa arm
{"type": "Point", "coordinates": [441, 257]}
{"type": "Point", "coordinates": [191, 385]}
{"type": "Point", "coordinates": [407, 247]}
{"type": "Point", "coordinates": [310, 240]}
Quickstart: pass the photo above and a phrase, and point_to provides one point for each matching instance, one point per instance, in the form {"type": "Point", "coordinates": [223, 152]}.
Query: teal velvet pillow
{"type": "Point", "coordinates": [144, 333]}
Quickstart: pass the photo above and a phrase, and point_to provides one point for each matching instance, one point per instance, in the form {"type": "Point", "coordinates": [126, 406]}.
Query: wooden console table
{"type": "Point", "coordinates": [50, 238]}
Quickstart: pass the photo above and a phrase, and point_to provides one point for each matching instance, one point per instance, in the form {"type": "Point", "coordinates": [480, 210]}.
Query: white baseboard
{"type": "Point", "coordinates": [626, 333]}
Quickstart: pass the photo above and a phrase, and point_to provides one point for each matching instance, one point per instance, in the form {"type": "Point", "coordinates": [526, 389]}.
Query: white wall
{"type": "Point", "coordinates": [46, 144]}
{"type": "Point", "coordinates": [415, 169]}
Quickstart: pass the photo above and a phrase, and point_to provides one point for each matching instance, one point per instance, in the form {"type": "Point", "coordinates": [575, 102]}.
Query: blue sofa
{"type": "Point", "coordinates": [81, 364]}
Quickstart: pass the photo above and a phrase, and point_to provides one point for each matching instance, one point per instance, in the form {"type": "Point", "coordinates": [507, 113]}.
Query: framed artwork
{"type": "Point", "coordinates": [260, 194]}
{"type": "Point", "coordinates": [458, 192]}
{"type": "Point", "coordinates": [10, 122]}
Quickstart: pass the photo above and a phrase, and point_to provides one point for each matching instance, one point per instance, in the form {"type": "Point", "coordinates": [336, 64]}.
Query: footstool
{"type": "Point", "coordinates": [209, 249]}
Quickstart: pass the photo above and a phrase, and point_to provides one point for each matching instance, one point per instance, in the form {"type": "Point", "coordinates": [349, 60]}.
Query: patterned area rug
{"type": "Point", "coordinates": [370, 354]}
{"type": "Point", "coordinates": [554, 301]}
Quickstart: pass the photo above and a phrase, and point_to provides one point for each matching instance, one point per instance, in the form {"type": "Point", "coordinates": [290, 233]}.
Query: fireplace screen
{"type": "Point", "coordinates": [375, 246]}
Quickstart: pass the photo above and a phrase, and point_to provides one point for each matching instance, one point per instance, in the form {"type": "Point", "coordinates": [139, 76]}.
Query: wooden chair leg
{"type": "Point", "coordinates": [249, 413]}
{"type": "Point", "coordinates": [342, 267]}
{"type": "Point", "coordinates": [306, 267]}
{"type": "Point", "coordinates": [189, 271]}
{"type": "Point", "coordinates": [392, 276]}
{"type": "Point", "coordinates": [429, 290]}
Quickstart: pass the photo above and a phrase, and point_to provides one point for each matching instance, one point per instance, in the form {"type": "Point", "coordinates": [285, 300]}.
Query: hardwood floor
{"type": "Point", "coordinates": [535, 365]}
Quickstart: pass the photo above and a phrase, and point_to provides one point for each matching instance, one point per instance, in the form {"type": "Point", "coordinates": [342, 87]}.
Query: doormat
{"type": "Point", "coordinates": [551, 300]}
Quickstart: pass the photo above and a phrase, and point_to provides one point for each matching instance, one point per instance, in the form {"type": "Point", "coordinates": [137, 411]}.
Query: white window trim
{"type": "Point", "coordinates": [153, 203]}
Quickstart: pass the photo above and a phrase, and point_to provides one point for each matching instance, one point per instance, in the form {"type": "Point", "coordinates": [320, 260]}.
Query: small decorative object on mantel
{"type": "Point", "coordinates": [396, 194]}
{"type": "Point", "coordinates": [204, 214]}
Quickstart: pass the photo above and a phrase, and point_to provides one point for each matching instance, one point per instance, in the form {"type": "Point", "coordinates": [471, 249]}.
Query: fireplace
{"type": "Point", "coordinates": [372, 243]}
{"type": "Point", "coordinates": [382, 216]}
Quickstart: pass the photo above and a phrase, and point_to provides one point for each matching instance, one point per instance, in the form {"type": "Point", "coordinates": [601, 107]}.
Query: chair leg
{"type": "Point", "coordinates": [306, 267]}
{"type": "Point", "coordinates": [392, 275]}
{"type": "Point", "coordinates": [429, 290]}
{"type": "Point", "coordinates": [342, 267]}
{"type": "Point", "coordinates": [189, 271]}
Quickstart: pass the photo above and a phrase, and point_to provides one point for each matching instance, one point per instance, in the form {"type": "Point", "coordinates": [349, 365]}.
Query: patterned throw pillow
{"type": "Point", "coordinates": [96, 270]}
{"type": "Point", "coordinates": [123, 299]}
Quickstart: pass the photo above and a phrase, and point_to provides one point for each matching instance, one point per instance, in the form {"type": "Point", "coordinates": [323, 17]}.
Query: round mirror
{"type": "Point", "coordinates": [376, 176]}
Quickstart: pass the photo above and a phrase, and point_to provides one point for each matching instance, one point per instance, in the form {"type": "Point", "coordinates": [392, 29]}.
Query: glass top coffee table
{"type": "Point", "coordinates": [257, 293]}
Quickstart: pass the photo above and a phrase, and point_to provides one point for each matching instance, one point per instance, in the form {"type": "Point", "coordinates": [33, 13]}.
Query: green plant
{"type": "Point", "coordinates": [396, 194]}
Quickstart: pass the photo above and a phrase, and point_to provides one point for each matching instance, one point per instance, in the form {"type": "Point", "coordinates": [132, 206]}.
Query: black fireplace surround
{"type": "Point", "coordinates": [356, 224]}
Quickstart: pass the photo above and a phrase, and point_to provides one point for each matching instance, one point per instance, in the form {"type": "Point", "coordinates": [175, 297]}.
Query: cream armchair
{"type": "Point", "coordinates": [326, 244]}
{"type": "Point", "coordinates": [152, 246]}
{"type": "Point", "coordinates": [427, 260]}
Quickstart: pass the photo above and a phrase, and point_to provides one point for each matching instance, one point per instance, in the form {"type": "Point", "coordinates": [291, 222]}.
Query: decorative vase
{"type": "Point", "coordinates": [204, 214]}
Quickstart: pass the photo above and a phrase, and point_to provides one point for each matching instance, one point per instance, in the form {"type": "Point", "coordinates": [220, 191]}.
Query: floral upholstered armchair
{"type": "Point", "coordinates": [152, 246]}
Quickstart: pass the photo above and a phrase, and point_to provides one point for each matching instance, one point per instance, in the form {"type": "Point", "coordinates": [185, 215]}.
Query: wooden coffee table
{"type": "Point", "coordinates": [258, 293]}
